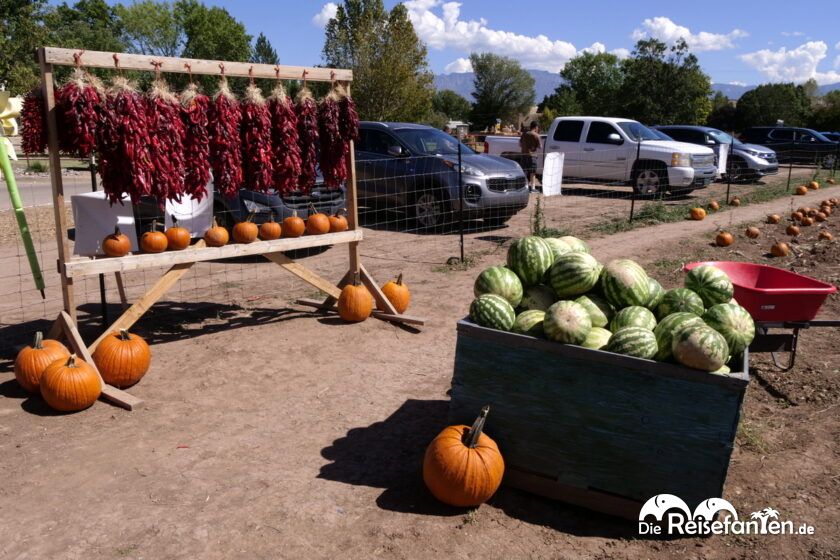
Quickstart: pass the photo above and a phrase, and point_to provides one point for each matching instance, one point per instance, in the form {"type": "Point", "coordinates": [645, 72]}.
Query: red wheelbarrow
{"type": "Point", "coordinates": [776, 299]}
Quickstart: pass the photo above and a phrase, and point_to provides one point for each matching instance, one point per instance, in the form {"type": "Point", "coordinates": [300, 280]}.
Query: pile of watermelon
{"type": "Point", "coordinates": [554, 288]}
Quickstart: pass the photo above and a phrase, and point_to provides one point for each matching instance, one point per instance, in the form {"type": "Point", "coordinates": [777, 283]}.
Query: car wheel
{"type": "Point", "coordinates": [429, 210]}
{"type": "Point", "coordinates": [829, 161]}
{"type": "Point", "coordinates": [650, 181]}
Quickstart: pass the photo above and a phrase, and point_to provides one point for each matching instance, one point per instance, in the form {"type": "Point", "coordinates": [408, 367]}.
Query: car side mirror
{"type": "Point", "coordinates": [395, 151]}
{"type": "Point", "coordinates": [711, 142]}
{"type": "Point", "coordinates": [615, 139]}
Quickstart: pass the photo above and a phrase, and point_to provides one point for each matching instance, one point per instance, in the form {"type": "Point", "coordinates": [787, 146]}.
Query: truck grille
{"type": "Point", "coordinates": [320, 197]}
{"type": "Point", "coordinates": [698, 161]}
{"type": "Point", "coordinates": [502, 184]}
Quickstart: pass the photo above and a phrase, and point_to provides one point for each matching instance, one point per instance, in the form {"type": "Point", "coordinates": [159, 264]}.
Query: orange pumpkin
{"type": "Point", "coordinates": [820, 217]}
{"type": "Point", "coordinates": [774, 219]}
{"type": "Point", "coordinates": [724, 239]}
{"type": "Point", "coordinates": [154, 241]}
{"type": "Point", "coordinates": [827, 210]}
{"type": "Point", "coordinates": [338, 222]}
{"type": "Point", "coordinates": [116, 244]}
{"type": "Point", "coordinates": [177, 236]}
{"type": "Point", "coordinates": [792, 230]}
{"type": "Point", "coordinates": [355, 303]}
{"type": "Point", "coordinates": [752, 232]}
{"type": "Point", "coordinates": [317, 223]}
{"type": "Point", "coordinates": [830, 181]}
{"type": "Point", "coordinates": [735, 201]}
{"type": "Point", "coordinates": [462, 466]}
{"type": "Point", "coordinates": [70, 384]}
{"type": "Point", "coordinates": [398, 294]}
{"type": "Point", "coordinates": [813, 185]}
{"type": "Point", "coordinates": [247, 231]}
{"type": "Point", "coordinates": [216, 236]}
{"type": "Point", "coordinates": [801, 190]}
{"type": "Point", "coordinates": [122, 358]}
{"type": "Point", "coordinates": [270, 230]}
{"type": "Point", "coordinates": [796, 216]}
{"type": "Point", "coordinates": [812, 212]}
{"type": "Point", "coordinates": [31, 361]}
{"type": "Point", "coordinates": [713, 204]}
{"type": "Point", "coordinates": [780, 249]}
{"type": "Point", "coordinates": [825, 235]}
{"type": "Point", "coordinates": [807, 221]}
{"type": "Point", "coordinates": [293, 226]}
{"type": "Point", "coordinates": [697, 213]}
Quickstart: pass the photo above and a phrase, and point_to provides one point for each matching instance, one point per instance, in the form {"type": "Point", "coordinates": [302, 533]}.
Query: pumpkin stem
{"type": "Point", "coordinates": [399, 279]}
{"type": "Point", "coordinates": [174, 221]}
{"type": "Point", "coordinates": [71, 361]}
{"type": "Point", "coordinates": [250, 217]}
{"type": "Point", "coordinates": [37, 343]}
{"type": "Point", "coordinates": [124, 334]}
{"type": "Point", "coordinates": [154, 225]}
{"type": "Point", "coordinates": [470, 438]}
{"type": "Point", "coordinates": [117, 231]}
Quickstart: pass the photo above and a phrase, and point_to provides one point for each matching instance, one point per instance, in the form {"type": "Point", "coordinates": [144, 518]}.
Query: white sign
{"type": "Point", "coordinates": [95, 219]}
{"type": "Point", "coordinates": [197, 217]}
{"type": "Point", "coordinates": [722, 155]}
{"type": "Point", "coordinates": [552, 178]}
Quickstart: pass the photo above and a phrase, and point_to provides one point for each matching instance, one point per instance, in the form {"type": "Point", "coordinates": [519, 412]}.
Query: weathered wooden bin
{"type": "Point", "coordinates": [597, 429]}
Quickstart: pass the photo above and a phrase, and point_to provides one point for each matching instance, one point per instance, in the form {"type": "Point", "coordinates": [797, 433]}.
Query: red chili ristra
{"type": "Point", "coordinates": [194, 109]}
{"type": "Point", "coordinates": [349, 121]}
{"type": "Point", "coordinates": [33, 134]}
{"type": "Point", "coordinates": [166, 148]}
{"type": "Point", "coordinates": [307, 114]}
{"type": "Point", "coordinates": [78, 113]}
{"type": "Point", "coordinates": [257, 162]}
{"type": "Point", "coordinates": [333, 146]}
{"type": "Point", "coordinates": [123, 144]}
{"type": "Point", "coordinates": [225, 144]}
{"type": "Point", "coordinates": [284, 141]}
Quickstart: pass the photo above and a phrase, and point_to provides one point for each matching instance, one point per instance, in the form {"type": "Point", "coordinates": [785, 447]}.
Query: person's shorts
{"type": "Point", "coordinates": [529, 164]}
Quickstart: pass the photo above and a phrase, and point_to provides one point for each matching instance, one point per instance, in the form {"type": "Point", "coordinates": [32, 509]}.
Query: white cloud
{"type": "Point", "coordinates": [737, 83]}
{"type": "Point", "coordinates": [667, 31]}
{"type": "Point", "coordinates": [458, 66]}
{"type": "Point", "coordinates": [837, 63]}
{"type": "Point", "coordinates": [794, 65]}
{"type": "Point", "coordinates": [837, 46]}
{"type": "Point", "coordinates": [328, 11]}
{"type": "Point", "coordinates": [792, 34]}
{"type": "Point", "coordinates": [621, 53]}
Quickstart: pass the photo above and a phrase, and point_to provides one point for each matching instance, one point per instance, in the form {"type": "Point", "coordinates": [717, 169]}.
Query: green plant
{"type": "Point", "coordinates": [538, 223]}
{"type": "Point", "coordinates": [37, 167]}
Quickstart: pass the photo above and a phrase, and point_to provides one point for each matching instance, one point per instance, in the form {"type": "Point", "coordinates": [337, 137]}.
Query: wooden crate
{"type": "Point", "coordinates": [597, 429]}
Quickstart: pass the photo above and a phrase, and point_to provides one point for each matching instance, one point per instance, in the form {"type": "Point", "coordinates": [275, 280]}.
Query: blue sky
{"type": "Point", "coordinates": [736, 42]}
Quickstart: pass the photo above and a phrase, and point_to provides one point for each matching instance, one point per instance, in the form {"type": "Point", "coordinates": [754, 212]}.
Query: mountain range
{"type": "Point", "coordinates": [546, 82]}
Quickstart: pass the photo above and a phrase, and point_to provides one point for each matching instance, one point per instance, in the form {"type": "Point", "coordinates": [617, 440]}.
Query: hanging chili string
{"type": "Point", "coordinates": [333, 147]}
{"type": "Point", "coordinates": [257, 162]}
{"type": "Point", "coordinates": [166, 147]}
{"type": "Point", "coordinates": [307, 114]}
{"type": "Point", "coordinates": [284, 141]}
{"type": "Point", "coordinates": [194, 115]}
{"type": "Point", "coordinates": [225, 144]}
{"type": "Point", "coordinates": [33, 134]}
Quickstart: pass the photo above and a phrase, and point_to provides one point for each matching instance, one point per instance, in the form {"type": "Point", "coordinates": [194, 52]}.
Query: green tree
{"type": "Point", "coordinates": [88, 24]}
{"type": "Point", "coordinates": [264, 53]}
{"type": "Point", "coordinates": [502, 89]}
{"type": "Point", "coordinates": [151, 27]}
{"type": "Point", "coordinates": [595, 79]}
{"type": "Point", "coordinates": [827, 114]}
{"type": "Point", "coordinates": [451, 105]}
{"type": "Point", "coordinates": [23, 31]}
{"type": "Point", "coordinates": [212, 33]}
{"type": "Point", "coordinates": [723, 115]}
{"type": "Point", "coordinates": [769, 103]}
{"type": "Point", "coordinates": [563, 102]}
{"type": "Point", "coordinates": [391, 78]}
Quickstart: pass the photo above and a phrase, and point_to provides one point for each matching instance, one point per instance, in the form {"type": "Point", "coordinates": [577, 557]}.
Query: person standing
{"type": "Point", "coordinates": [530, 144]}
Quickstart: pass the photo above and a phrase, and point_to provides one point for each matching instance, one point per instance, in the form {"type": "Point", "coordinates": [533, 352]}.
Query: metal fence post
{"type": "Point", "coordinates": [461, 197]}
{"type": "Point", "coordinates": [729, 166]}
{"type": "Point", "coordinates": [633, 186]}
{"type": "Point", "coordinates": [790, 162]}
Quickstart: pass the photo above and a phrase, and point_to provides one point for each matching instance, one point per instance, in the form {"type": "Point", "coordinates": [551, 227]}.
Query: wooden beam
{"type": "Point", "coordinates": [304, 273]}
{"type": "Point", "coordinates": [121, 289]}
{"type": "Point", "coordinates": [352, 202]}
{"type": "Point", "coordinates": [382, 302]}
{"type": "Point", "coordinates": [101, 59]}
{"type": "Point", "coordinates": [109, 392]}
{"type": "Point", "coordinates": [200, 252]}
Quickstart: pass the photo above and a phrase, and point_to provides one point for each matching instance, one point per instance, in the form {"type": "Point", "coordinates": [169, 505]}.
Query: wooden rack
{"type": "Point", "coordinates": [180, 262]}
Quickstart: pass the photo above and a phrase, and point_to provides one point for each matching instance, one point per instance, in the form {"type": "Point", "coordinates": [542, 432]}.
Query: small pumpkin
{"type": "Point", "coordinates": [154, 241]}
{"type": "Point", "coordinates": [116, 244]}
{"type": "Point", "coordinates": [317, 223]}
{"type": "Point", "coordinates": [792, 230]}
{"type": "Point", "coordinates": [830, 181]}
{"type": "Point", "coordinates": [813, 185]}
{"type": "Point", "coordinates": [774, 219]}
{"type": "Point", "coordinates": [807, 221]}
{"type": "Point", "coordinates": [355, 303]}
{"type": "Point", "coordinates": [796, 216]}
{"type": "Point", "coordinates": [812, 212]}
{"type": "Point", "coordinates": [780, 249]}
{"type": "Point", "coordinates": [724, 239]}
{"type": "Point", "coordinates": [697, 213]}
{"type": "Point", "coordinates": [397, 293]}
{"type": "Point", "coordinates": [801, 190]}
{"type": "Point", "coordinates": [177, 236]}
{"type": "Point", "coordinates": [270, 230]}
{"type": "Point", "coordinates": [216, 236]}
{"type": "Point", "coordinates": [714, 205]}
{"type": "Point", "coordinates": [293, 226]}
{"type": "Point", "coordinates": [246, 231]}
{"type": "Point", "coordinates": [827, 210]}
{"type": "Point", "coordinates": [735, 201]}
{"type": "Point", "coordinates": [820, 217]}
{"type": "Point", "coordinates": [122, 358]}
{"type": "Point", "coordinates": [70, 384]}
{"type": "Point", "coordinates": [338, 221]}
{"type": "Point", "coordinates": [825, 235]}
{"type": "Point", "coordinates": [31, 361]}
{"type": "Point", "coordinates": [463, 467]}
{"type": "Point", "coordinates": [753, 232]}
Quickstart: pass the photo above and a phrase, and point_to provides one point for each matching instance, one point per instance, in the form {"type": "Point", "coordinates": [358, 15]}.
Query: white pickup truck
{"type": "Point", "coordinates": [609, 150]}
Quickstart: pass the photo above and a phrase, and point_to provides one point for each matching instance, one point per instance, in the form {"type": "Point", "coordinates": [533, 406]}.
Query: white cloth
{"type": "Point", "coordinates": [552, 178]}
{"type": "Point", "coordinates": [95, 219]}
{"type": "Point", "coordinates": [723, 154]}
{"type": "Point", "coordinates": [197, 217]}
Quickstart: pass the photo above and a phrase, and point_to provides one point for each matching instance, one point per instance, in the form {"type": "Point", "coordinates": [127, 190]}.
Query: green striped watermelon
{"type": "Point", "coordinates": [537, 297]}
{"type": "Point", "coordinates": [734, 323]}
{"type": "Point", "coordinates": [600, 310]}
{"type": "Point", "coordinates": [492, 311]}
{"type": "Point", "coordinates": [529, 322]}
{"type": "Point", "coordinates": [669, 327]}
{"type": "Point", "coordinates": [624, 283]}
{"type": "Point", "coordinates": [575, 244]}
{"type": "Point", "coordinates": [633, 341]}
{"type": "Point", "coordinates": [633, 316]}
{"type": "Point", "coordinates": [656, 293]}
{"type": "Point", "coordinates": [679, 299]}
{"type": "Point", "coordinates": [710, 283]}
{"type": "Point", "coordinates": [501, 281]}
{"type": "Point", "coordinates": [557, 246]}
{"type": "Point", "coordinates": [700, 347]}
{"type": "Point", "coordinates": [597, 338]}
{"type": "Point", "coordinates": [530, 257]}
{"type": "Point", "coordinates": [574, 274]}
{"type": "Point", "coordinates": [567, 321]}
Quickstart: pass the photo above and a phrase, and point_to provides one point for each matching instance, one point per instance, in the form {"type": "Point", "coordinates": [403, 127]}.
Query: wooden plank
{"type": "Point", "coordinates": [109, 392]}
{"type": "Point", "coordinates": [101, 59]}
{"type": "Point", "coordinates": [352, 202]}
{"type": "Point", "coordinates": [407, 319]}
{"type": "Point", "coordinates": [121, 289]}
{"type": "Point", "coordinates": [59, 208]}
{"type": "Point", "coordinates": [317, 303]}
{"type": "Point", "coordinates": [200, 252]}
{"type": "Point", "coordinates": [331, 301]}
{"type": "Point", "coordinates": [382, 302]}
{"type": "Point", "coordinates": [304, 273]}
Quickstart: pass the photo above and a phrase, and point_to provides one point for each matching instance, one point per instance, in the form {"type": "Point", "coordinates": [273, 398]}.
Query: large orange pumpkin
{"type": "Point", "coordinates": [338, 222]}
{"type": "Point", "coordinates": [177, 236]}
{"type": "Point", "coordinates": [724, 239]}
{"type": "Point", "coordinates": [122, 358]}
{"type": "Point", "coordinates": [31, 361]}
{"type": "Point", "coordinates": [697, 213]}
{"type": "Point", "coordinates": [293, 226]}
{"type": "Point", "coordinates": [462, 466]}
{"type": "Point", "coordinates": [116, 244]}
{"type": "Point", "coordinates": [780, 249]}
{"type": "Point", "coordinates": [216, 236]}
{"type": "Point", "coordinates": [246, 231]}
{"type": "Point", "coordinates": [70, 384]}
{"type": "Point", "coordinates": [355, 303]}
{"type": "Point", "coordinates": [801, 190]}
{"type": "Point", "coordinates": [317, 223]}
{"type": "Point", "coordinates": [270, 230]}
{"type": "Point", "coordinates": [397, 293]}
{"type": "Point", "coordinates": [154, 241]}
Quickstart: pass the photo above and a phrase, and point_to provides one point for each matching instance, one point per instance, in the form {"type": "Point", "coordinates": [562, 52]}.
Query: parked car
{"type": "Point", "coordinates": [795, 145]}
{"type": "Point", "coordinates": [610, 150]}
{"type": "Point", "coordinates": [746, 161]}
{"type": "Point", "coordinates": [833, 136]}
{"type": "Point", "coordinates": [414, 168]}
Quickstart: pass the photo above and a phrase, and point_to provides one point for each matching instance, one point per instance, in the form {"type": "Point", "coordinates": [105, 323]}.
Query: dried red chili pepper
{"type": "Point", "coordinates": [225, 143]}
{"type": "Point", "coordinates": [349, 121]}
{"type": "Point", "coordinates": [166, 147]}
{"type": "Point", "coordinates": [33, 134]}
{"type": "Point", "coordinates": [194, 109]}
{"type": "Point", "coordinates": [284, 141]}
{"type": "Point", "coordinates": [333, 146]}
{"type": "Point", "coordinates": [307, 114]}
{"type": "Point", "coordinates": [79, 103]}
{"type": "Point", "coordinates": [257, 162]}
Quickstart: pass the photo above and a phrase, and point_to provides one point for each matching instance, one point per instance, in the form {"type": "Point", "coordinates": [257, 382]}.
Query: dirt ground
{"type": "Point", "coordinates": [271, 432]}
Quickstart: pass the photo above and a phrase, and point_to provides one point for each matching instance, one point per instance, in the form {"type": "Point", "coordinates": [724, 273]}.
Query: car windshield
{"type": "Point", "coordinates": [431, 142]}
{"type": "Point", "coordinates": [638, 131]}
{"type": "Point", "coordinates": [819, 136]}
{"type": "Point", "coordinates": [723, 138]}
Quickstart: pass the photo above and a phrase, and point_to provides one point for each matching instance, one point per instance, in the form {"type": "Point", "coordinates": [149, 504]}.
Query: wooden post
{"type": "Point", "coordinates": [352, 205]}
{"type": "Point", "coordinates": [59, 209]}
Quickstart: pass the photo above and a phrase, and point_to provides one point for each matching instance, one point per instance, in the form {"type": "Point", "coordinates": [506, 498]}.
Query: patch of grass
{"type": "Point", "coordinates": [750, 436]}
{"type": "Point", "coordinates": [668, 264]}
{"type": "Point", "coordinates": [538, 224]}
{"type": "Point", "coordinates": [126, 550]}
{"type": "Point", "coordinates": [454, 264]}
{"type": "Point", "coordinates": [37, 167]}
